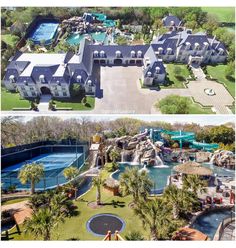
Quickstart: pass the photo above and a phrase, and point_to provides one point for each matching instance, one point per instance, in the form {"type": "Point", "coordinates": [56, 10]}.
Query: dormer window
{"type": "Point", "coordinates": [118, 54]}
{"type": "Point", "coordinates": [140, 54]}
{"type": "Point", "coordinates": [25, 82]}
{"type": "Point", "coordinates": [12, 79]}
{"type": "Point", "coordinates": [132, 54]}
{"type": "Point", "coordinates": [95, 53]}
{"type": "Point", "coordinates": [89, 82]}
{"type": "Point", "coordinates": [196, 46]}
{"type": "Point", "coordinates": [160, 50]}
{"type": "Point", "coordinates": [149, 74]}
{"type": "Point", "coordinates": [58, 82]}
{"type": "Point", "coordinates": [221, 51]}
{"type": "Point", "coordinates": [102, 54]}
{"type": "Point", "coordinates": [169, 50]}
{"type": "Point", "coordinates": [157, 69]}
{"type": "Point", "coordinates": [205, 45]}
{"type": "Point", "coordinates": [41, 79]}
{"type": "Point", "coordinates": [188, 45]}
{"type": "Point", "coordinates": [78, 79]}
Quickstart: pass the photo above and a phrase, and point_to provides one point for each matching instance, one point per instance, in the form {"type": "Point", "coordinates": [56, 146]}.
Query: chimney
{"type": "Point", "coordinates": [213, 40]}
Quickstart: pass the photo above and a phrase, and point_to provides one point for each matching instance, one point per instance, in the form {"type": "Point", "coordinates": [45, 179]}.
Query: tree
{"type": "Point", "coordinates": [134, 235]}
{"type": "Point", "coordinates": [114, 155]}
{"type": "Point", "coordinates": [229, 71]}
{"type": "Point", "coordinates": [174, 104]}
{"type": "Point", "coordinates": [42, 223]}
{"type": "Point", "coordinates": [154, 215]}
{"type": "Point", "coordinates": [70, 173]}
{"type": "Point", "coordinates": [31, 173]}
{"type": "Point", "coordinates": [194, 183]}
{"type": "Point", "coordinates": [76, 90]}
{"type": "Point", "coordinates": [179, 200]}
{"type": "Point", "coordinates": [135, 183]}
{"type": "Point", "coordinates": [97, 182]}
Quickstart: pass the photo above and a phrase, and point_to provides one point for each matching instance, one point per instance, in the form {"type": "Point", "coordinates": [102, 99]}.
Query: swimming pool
{"type": "Point", "coordinates": [75, 39]}
{"type": "Point", "coordinates": [54, 164]}
{"type": "Point", "coordinates": [44, 31]}
{"type": "Point", "coordinates": [160, 175]}
{"type": "Point", "coordinates": [208, 222]}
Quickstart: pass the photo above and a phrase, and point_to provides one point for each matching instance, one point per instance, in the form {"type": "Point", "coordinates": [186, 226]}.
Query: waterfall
{"type": "Point", "coordinates": [159, 163]}
{"type": "Point", "coordinates": [136, 157]}
{"type": "Point", "coordinates": [212, 159]}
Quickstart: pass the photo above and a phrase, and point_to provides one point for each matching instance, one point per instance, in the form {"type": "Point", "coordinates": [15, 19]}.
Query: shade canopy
{"type": "Point", "coordinates": [187, 233]}
{"type": "Point", "coordinates": [193, 168]}
{"type": "Point", "coordinates": [112, 183]}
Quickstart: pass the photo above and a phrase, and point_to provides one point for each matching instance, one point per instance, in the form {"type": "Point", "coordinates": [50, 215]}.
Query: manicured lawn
{"type": "Point", "coordinates": [75, 227]}
{"type": "Point", "coordinates": [223, 14]}
{"type": "Point", "coordinates": [11, 100]}
{"type": "Point", "coordinates": [196, 109]}
{"type": "Point", "coordinates": [173, 81]}
{"type": "Point", "coordinates": [76, 104]}
{"type": "Point", "coordinates": [14, 201]}
{"type": "Point", "coordinates": [218, 72]}
{"type": "Point", "coordinates": [10, 39]}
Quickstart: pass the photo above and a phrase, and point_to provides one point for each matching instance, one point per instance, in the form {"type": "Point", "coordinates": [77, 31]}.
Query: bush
{"type": "Point", "coordinates": [111, 167]}
{"type": "Point", "coordinates": [174, 104]}
{"type": "Point", "coordinates": [76, 90]}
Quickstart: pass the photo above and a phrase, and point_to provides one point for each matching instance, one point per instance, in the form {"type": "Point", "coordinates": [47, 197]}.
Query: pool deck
{"type": "Point", "coordinates": [229, 232]}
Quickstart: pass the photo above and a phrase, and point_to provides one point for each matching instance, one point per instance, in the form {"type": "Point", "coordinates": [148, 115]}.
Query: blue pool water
{"type": "Point", "coordinates": [209, 222]}
{"type": "Point", "coordinates": [160, 175]}
{"type": "Point", "coordinates": [44, 31]}
{"type": "Point", "coordinates": [54, 164]}
{"type": "Point", "coordinates": [75, 39]}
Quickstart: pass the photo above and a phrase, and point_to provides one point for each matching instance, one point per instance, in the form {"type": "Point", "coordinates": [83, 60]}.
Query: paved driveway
{"type": "Point", "coordinates": [121, 92]}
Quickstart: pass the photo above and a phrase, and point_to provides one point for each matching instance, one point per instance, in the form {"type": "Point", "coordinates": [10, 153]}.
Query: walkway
{"type": "Point", "coordinates": [44, 103]}
{"type": "Point", "coordinates": [229, 232]}
{"type": "Point", "coordinates": [20, 210]}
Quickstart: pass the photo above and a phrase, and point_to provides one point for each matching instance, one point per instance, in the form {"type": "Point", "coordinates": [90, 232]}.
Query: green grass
{"type": "Point", "coordinates": [196, 109]}
{"type": "Point", "coordinates": [75, 227]}
{"type": "Point", "coordinates": [218, 72]}
{"type": "Point", "coordinates": [14, 201]}
{"type": "Point", "coordinates": [10, 39]}
{"type": "Point", "coordinates": [172, 80]}
{"type": "Point", "coordinates": [11, 100]}
{"type": "Point", "coordinates": [223, 14]}
{"type": "Point", "coordinates": [76, 104]}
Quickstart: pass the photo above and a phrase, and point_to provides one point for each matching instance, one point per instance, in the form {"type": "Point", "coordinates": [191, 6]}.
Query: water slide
{"type": "Point", "coordinates": [182, 136]}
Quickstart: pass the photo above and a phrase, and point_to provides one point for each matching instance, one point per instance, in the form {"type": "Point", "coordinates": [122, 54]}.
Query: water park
{"type": "Point", "coordinates": [103, 167]}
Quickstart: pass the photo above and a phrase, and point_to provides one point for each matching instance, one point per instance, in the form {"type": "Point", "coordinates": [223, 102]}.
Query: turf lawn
{"type": "Point", "coordinates": [76, 104]}
{"type": "Point", "coordinates": [196, 109]}
{"type": "Point", "coordinates": [218, 72]}
{"type": "Point", "coordinates": [172, 80]}
{"type": "Point", "coordinates": [223, 14]}
{"type": "Point", "coordinates": [14, 201]}
{"type": "Point", "coordinates": [11, 100]}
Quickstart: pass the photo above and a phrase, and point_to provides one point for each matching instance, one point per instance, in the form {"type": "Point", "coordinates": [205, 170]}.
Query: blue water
{"type": "Point", "coordinates": [209, 222]}
{"type": "Point", "coordinates": [44, 31]}
{"type": "Point", "coordinates": [54, 164]}
{"type": "Point", "coordinates": [75, 39]}
{"type": "Point", "coordinates": [159, 176]}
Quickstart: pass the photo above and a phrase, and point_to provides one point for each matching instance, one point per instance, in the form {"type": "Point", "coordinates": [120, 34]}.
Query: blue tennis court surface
{"type": "Point", "coordinates": [54, 164]}
{"type": "Point", "coordinates": [44, 31]}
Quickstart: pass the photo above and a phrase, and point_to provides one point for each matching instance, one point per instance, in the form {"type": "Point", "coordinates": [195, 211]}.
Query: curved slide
{"type": "Point", "coordinates": [182, 136]}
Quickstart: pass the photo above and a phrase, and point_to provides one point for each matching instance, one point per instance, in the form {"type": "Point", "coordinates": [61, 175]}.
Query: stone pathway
{"type": "Point", "coordinates": [44, 101]}
{"type": "Point", "coordinates": [229, 232]}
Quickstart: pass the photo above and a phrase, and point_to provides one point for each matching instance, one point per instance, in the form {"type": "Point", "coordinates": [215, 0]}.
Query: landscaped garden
{"type": "Point", "coordinates": [176, 76]}
{"type": "Point", "coordinates": [10, 39]}
{"type": "Point", "coordinates": [174, 104]}
{"type": "Point", "coordinates": [218, 72]}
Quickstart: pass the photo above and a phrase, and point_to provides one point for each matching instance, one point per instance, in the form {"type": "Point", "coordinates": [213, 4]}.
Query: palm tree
{"type": "Point", "coordinates": [31, 173]}
{"type": "Point", "coordinates": [134, 235]}
{"type": "Point", "coordinates": [180, 200]}
{"type": "Point", "coordinates": [154, 215]}
{"type": "Point", "coordinates": [114, 155]}
{"type": "Point", "coordinates": [135, 183]}
{"type": "Point", "coordinates": [70, 173]}
{"type": "Point", "coordinates": [195, 184]}
{"type": "Point", "coordinates": [42, 222]}
{"type": "Point", "coordinates": [97, 182]}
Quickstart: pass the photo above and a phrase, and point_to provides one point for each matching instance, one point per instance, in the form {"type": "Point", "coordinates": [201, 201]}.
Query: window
{"type": "Point", "coordinates": [25, 93]}
{"type": "Point", "coordinates": [56, 93]}
{"type": "Point", "coordinates": [22, 87]}
{"type": "Point", "coordinates": [63, 88]}
{"type": "Point", "coordinates": [31, 88]}
{"type": "Point", "coordinates": [64, 93]}
{"type": "Point", "coordinates": [33, 94]}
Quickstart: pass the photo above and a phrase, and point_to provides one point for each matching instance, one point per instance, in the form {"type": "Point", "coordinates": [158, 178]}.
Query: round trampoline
{"type": "Point", "coordinates": [100, 224]}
